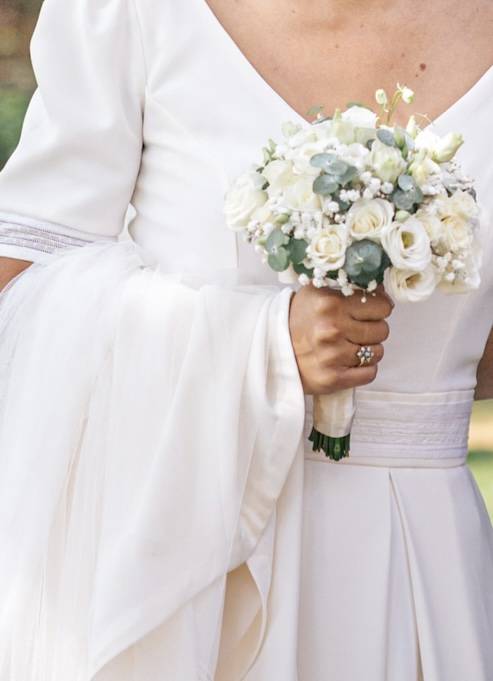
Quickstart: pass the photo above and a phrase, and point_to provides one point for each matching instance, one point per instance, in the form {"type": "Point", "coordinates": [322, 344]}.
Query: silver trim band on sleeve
{"type": "Point", "coordinates": [25, 232]}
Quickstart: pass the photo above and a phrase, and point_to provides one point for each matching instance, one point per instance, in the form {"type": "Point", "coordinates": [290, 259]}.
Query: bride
{"type": "Point", "coordinates": [162, 516]}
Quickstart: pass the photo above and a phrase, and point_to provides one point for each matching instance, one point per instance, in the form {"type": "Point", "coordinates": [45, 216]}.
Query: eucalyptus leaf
{"type": "Point", "coordinates": [279, 261]}
{"type": "Point", "coordinates": [406, 182]}
{"type": "Point", "coordinates": [300, 268]}
{"type": "Point", "coordinates": [349, 175]}
{"type": "Point", "coordinates": [325, 185]}
{"type": "Point", "coordinates": [322, 160]}
{"type": "Point", "coordinates": [365, 261]}
{"type": "Point", "coordinates": [275, 240]}
{"type": "Point", "coordinates": [337, 167]}
{"type": "Point", "coordinates": [297, 250]}
{"type": "Point", "coordinates": [314, 110]}
{"type": "Point", "coordinates": [387, 137]}
{"type": "Point", "coordinates": [403, 200]}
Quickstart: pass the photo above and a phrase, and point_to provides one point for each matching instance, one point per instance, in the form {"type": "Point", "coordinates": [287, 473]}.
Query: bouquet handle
{"type": "Point", "coordinates": [332, 419]}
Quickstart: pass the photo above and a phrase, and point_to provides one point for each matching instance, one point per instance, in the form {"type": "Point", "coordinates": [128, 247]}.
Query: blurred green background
{"type": "Point", "coordinates": [17, 19]}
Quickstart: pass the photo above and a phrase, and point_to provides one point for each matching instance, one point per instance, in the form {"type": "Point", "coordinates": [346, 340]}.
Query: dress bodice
{"type": "Point", "coordinates": [184, 114]}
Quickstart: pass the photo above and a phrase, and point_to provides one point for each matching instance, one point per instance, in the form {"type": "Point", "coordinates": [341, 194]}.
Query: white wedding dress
{"type": "Point", "coordinates": [162, 517]}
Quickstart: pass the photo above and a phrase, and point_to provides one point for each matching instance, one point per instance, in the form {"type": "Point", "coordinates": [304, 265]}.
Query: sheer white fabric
{"type": "Point", "coordinates": [158, 516]}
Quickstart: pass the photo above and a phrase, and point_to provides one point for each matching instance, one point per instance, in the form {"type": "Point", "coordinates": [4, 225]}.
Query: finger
{"type": "Point", "coordinates": [357, 377]}
{"type": "Point", "coordinates": [377, 352]}
{"type": "Point", "coordinates": [378, 306]}
{"type": "Point", "coordinates": [366, 333]}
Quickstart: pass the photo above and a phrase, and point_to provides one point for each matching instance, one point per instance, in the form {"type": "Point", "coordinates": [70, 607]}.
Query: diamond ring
{"type": "Point", "coordinates": [365, 354]}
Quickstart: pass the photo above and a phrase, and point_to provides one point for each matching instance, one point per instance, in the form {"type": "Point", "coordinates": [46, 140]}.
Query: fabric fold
{"type": "Point", "coordinates": [175, 415]}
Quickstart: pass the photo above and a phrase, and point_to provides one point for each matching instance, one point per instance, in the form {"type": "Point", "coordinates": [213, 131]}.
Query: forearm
{"type": "Point", "coordinates": [484, 387]}
{"type": "Point", "coordinates": [10, 268]}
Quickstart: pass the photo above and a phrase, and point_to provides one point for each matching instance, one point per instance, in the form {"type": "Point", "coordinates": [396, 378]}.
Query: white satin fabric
{"type": "Point", "coordinates": [158, 516]}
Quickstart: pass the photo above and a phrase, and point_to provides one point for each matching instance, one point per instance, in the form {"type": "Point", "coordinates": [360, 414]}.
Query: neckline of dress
{"type": "Point", "coordinates": [261, 80]}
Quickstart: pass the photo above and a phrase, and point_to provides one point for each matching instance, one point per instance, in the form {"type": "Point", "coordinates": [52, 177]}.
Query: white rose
{"type": "Point", "coordinates": [409, 286]}
{"type": "Point", "coordinates": [407, 244]}
{"type": "Point", "coordinates": [327, 248]}
{"type": "Point", "coordinates": [367, 218]}
{"type": "Point", "coordinates": [301, 156]}
{"type": "Point", "coordinates": [360, 117]}
{"type": "Point", "coordinates": [387, 162]}
{"type": "Point", "coordinates": [300, 196]}
{"type": "Point", "coordinates": [243, 198]}
{"type": "Point", "coordinates": [278, 174]}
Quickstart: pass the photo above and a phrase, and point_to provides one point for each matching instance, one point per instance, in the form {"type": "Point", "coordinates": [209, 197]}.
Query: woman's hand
{"type": "Point", "coordinates": [327, 330]}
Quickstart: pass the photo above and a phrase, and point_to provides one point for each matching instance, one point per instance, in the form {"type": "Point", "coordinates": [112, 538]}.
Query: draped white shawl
{"type": "Point", "coordinates": [148, 425]}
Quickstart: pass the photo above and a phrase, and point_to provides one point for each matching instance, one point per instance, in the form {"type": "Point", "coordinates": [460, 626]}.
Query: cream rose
{"type": "Point", "coordinates": [244, 197]}
{"type": "Point", "coordinates": [407, 244]}
{"type": "Point", "coordinates": [327, 248]}
{"type": "Point", "coordinates": [300, 195]}
{"type": "Point", "coordinates": [360, 117]}
{"type": "Point", "coordinates": [367, 218]}
{"type": "Point", "coordinates": [386, 161]}
{"type": "Point", "coordinates": [409, 286]}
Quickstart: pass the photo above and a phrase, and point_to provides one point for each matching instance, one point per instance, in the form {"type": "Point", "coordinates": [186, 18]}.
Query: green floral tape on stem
{"type": "Point", "coordinates": [335, 448]}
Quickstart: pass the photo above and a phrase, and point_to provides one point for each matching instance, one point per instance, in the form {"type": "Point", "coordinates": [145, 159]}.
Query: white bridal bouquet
{"type": "Point", "coordinates": [351, 201]}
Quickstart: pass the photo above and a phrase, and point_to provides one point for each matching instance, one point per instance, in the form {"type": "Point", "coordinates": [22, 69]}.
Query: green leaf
{"type": "Point", "coordinates": [279, 261]}
{"type": "Point", "coordinates": [297, 250]}
{"type": "Point", "coordinates": [337, 167]}
{"type": "Point", "coordinates": [325, 185]}
{"type": "Point", "coordinates": [322, 160]}
{"type": "Point", "coordinates": [365, 261]}
{"type": "Point", "coordinates": [406, 182]}
{"type": "Point", "coordinates": [349, 175]}
{"type": "Point", "coordinates": [364, 106]}
{"type": "Point", "coordinates": [276, 239]}
{"type": "Point", "coordinates": [314, 110]}
{"type": "Point", "coordinates": [299, 268]}
{"type": "Point", "coordinates": [386, 137]}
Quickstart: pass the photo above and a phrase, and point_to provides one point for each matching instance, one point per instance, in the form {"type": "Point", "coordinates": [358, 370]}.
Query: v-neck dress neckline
{"type": "Point", "coordinates": [251, 72]}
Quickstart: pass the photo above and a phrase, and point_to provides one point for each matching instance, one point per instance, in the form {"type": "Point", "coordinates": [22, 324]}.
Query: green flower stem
{"type": "Point", "coordinates": [336, 448]}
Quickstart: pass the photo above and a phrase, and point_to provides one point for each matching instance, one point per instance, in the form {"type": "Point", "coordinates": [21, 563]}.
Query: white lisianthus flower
{"type": "Point", "coordinates": [356, 155]}
{"type": "Point", "coordinates": [407, 244]}
{"type": "Point", "coordinates": [244, 197]}
{"type": "Point", "coordinates": [360, 117]}
{"type": "Point", "coordinates": [431, 222]}
{"type": "Point", "coordinates": [278, 174]}
{"type": "Point", "coordinates": [327, 249]}
{"type": "Point", "coordinates": [441, 149]}
{"type": "Point", "coordinates": [368, 218]}
{"type": "Point", "coordinates": [423, 169]}
{"type": "Point", "coordinates": [300, 195]}
{"type": "Point", "coordinates": [410, 286]}
{"type": "Point", "coordinates": [343, 130]}
{"type": "Point", "coordinates": [386, 161]}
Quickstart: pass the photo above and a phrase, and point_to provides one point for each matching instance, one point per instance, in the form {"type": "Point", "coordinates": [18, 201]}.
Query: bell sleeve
{"type": "Point", "coordinates": [71, 178]}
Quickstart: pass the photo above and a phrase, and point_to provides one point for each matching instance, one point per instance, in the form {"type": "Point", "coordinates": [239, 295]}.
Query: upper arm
{"type": "Point", "coordinates": [72, 176]}
{"type": "Point", "coordinates": [484, 387]}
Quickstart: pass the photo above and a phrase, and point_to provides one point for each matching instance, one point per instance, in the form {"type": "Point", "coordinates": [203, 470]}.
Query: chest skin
{"type": "Point", "coordinates": [330, 53]}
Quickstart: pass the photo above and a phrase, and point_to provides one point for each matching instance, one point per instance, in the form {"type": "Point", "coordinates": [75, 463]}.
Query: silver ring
{"type": "Point", "coordinates": [365, 355]}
